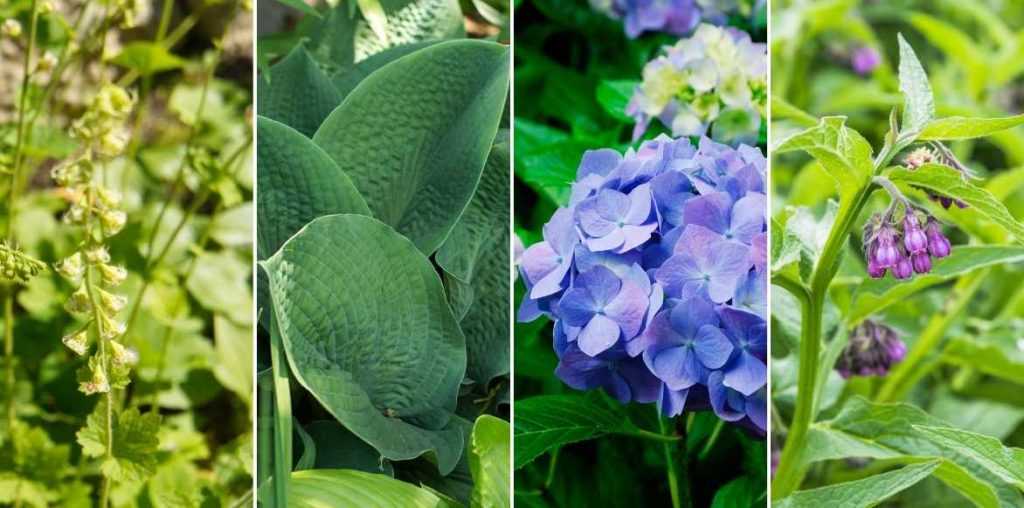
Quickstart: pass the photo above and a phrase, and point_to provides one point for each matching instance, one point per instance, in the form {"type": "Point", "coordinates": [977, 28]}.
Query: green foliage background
{"type": "Point", "coordinates": [574, 74]}
{"type": "Point", "coordinates": [967, 315]}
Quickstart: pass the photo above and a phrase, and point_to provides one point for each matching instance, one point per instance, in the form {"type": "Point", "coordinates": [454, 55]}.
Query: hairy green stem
{"type": "Point", "coordinates": [913, 367]}
{"type": "Point", "coordinates": [675, 464]}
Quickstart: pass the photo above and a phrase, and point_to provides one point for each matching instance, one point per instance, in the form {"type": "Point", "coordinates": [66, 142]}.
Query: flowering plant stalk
{"type": "Point", "coordinates": [901, 244]}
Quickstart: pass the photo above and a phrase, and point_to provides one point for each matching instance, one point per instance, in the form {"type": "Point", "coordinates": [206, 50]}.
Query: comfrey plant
{"type": "Point", "coordinates": [655, 278]}
{"type": "Point", "coordinates": [714, 80]}
{"type": "Point", "coordinates": [926, 182]}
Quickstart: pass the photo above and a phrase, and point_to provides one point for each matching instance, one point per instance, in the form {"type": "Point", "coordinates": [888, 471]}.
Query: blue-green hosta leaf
{"type": "Point", "coordinates": [842, 151]}
{"type": "Point", "coordinates": [874, 295]}
{"type": "Point", "coordinates": [948, 181]}
{"type": "Point", "coordinates": [959, 127]}
{"type": "Point", "coordinates": [369, 333]}
{"type": "Point", "coordinates": [860, 493]}
{"type": "Point", "coordinates": [489, 450]}
{"type": "Point", "coordinates": [476, 255]}
{"type": "Point", "coordinates": [408, 22]}
{"type": "Point", "coordinates": [1006, 463]}
{"type": "Point", "coordinates": [134, 437]}
{"type": "Point", "coordinates": [337, 448]}
{"type": "Point", "coordinates": [918, 102]}
{"type": "Point", "coordinates": [297, 183]}
{"type": "Point", "coordinates": [547, 422]}
{"type": "Point", "coordinates": [888, 431]}
{"type": "Point", "coordinates": [316, 488]}
{"type": "Point", "coordinates": [297, 93]}
{"type": "Point", "coordinates": [415, 135]}
{"type": "Point", "coordinates": [346, 78]}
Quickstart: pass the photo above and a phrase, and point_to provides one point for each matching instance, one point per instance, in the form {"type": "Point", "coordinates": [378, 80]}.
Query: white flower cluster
{"type": "Point", "coordinates": [716, 79]}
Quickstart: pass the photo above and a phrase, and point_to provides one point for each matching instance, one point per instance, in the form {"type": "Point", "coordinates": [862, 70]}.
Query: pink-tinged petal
{"type": "Point", "coordinates": [628, 309]}
{"type": "Point", "coordinates": [591, 222]}
{"type": "Point", "coordinates": [697, 241]}
{"type": "Point", "coordinates": [747, 375]}
{"type": "Point", "coordinates": [537, 261]}
{"type": "Point", "coordinates": [553, 282]}
{"type": "Point", "coordinates": [598, 336]}
{"type": "Point", "coordinates": [713, 348]}
{"type": "Point", "coordinates": [748, 217]}
{"type": "Point", "coordinates": [611, 241]}
{"type": "Point", "coordinates": [560, 231]}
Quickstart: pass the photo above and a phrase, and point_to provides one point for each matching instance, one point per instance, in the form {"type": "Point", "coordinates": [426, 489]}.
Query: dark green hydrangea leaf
{"type": "Point", "coordinates": [368, 332]}
{"type": "Point", "coordinates": [415, 135]}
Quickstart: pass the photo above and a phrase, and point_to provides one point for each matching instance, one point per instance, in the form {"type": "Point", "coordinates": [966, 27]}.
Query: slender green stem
{"type": "Point", "coordinates": [912, 368]}
{"type": "Point", "coordinates": [62, 65]}
{"type": "Point", "coordinates": [282, 417]}
{"type": "Point", "coordinates": [9, 355]}
{"type": "Point", "coordinates": [675, 464]}
{"type": "Point", "coordinates": [710, 444]}
{"type": "Point", "coordinates": [650, 436]}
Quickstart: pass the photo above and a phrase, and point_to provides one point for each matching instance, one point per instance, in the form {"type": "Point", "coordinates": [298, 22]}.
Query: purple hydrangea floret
{"type": "Point", "coordinates": [655, 277]}
{"type": "Point", "coordinates": [676, 17]}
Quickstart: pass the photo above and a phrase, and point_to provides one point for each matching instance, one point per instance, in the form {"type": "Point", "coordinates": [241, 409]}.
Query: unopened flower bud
{"type": "Point", "coordinates": [914, 238]}
{"type": "Point", "coordinates": [113, 275]}
{"type": "Point", "coordinates": [882, 246]}
{"type": "Point", "coordinates": [938, 244]}
{"type": "Point", "coordinates": [12, 28]}
{"type": "Point", "coordinates": [122, 355]}
{"type": "Point", "coordinates": [872, 350]}
{"type": "Point", "coordinates": [71, 267]}
{"type": "Point", "coordinates": [114, 101]}
{"type": "Point", "coordinates": [109, 198]}
{"type": "Point", "coordinates": [918, 158]}
{"type": "Point", "coordinates": [113, 142]}
{"type": "Point", "coordinates": [77, 342]}
{"type": "Point", "coordinates": [17, 266]}
{"type": "Point", "coordinates": [112, 221]}
{"type": "Point", "coordinates": [922, 262]}
{"type": "Point", "coordinates": [46, 62]}
{"type": "Point", "coordinates": [45, 8]}
{"type": "Point", "coordinates": [903, 268]}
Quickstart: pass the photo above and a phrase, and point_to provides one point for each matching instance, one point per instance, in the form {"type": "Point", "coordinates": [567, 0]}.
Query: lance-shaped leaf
{"type": "Point", "coordinates": [860, 493]}
{"type": "Point", "coordinates": [296, 92]}
{"type": "Point", "coordinates": [369, 333]}
{"type": "Point", "coordinates": [414, 136]}
{"type": "Point", "coordinates": [842, 151]}
{"type": "Point", "coordinates": [316, 488]}
{"type": "Point", "coordinates": [1006, 463]}
{"type": "Point", "coordinates": [950, 182]}
{"type": "Point", "coordinates": [490, 447]}
{"type": "Point", "coordinates": [476, 254]}
{"type": "Point", "coordinates": [959, 127]}
{"type": "Point", "coordinates": [918, 102]}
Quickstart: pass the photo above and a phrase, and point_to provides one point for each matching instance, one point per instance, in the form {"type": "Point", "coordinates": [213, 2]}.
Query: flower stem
{"type": "Point", "coordinates": [710, 444]}
{"type": "Point", "coordinates": [9, 355]}
{"type": "Point", "coordinates": [675, 465]}
{"type": "Point", "coordinates": [913, 367]}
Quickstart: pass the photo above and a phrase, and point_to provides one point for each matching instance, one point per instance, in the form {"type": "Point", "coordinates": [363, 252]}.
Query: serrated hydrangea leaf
{"type": "Point", "coordinates": [959, 127]}
{"type": "Point", "coordinates": [842, 152]}
{"type": "Point", "coordinates": [316, 488]}
{"type": "Point", "coordinates": [134, 442]}
{"type": "Point", "coordinates": [298, 182]}
{"type": "Point", "coordinates": [476, 253]}
{"type": "Point", "coordinates": [1007, 463]}
{"type": "Point", "coordinates": [415, 135]}
{"type": "Point", "coordinates": [874, 295]}
{"type": "Point", "coordinates": [297, 93]}
{"type": "Point", "coordinates": [337, 448]}
{"type": "Point", "coordinates": [950, 182]}
{"type": "Point", "coordinates": [918, 102]}
{"type": "Point", "coordinates": [489, 451]}
{"type": "Point", "coordinates": [860, 493]}
{"type": "Point", "coordinates": [866, 429]}
{"type": "Point", "coordinates": [548, 422]}
{"type": "Point", "coordinates": [369, 333]}
{"type": "Point", "coordinates": [408, 22]}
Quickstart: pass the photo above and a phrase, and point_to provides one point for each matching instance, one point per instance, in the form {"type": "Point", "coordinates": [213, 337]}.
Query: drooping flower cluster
{"type": "Point", "coordinates": [676, 17]}
{"type": "Point", "coordinates": [95, 209]}
{"type": "Point", "coordinates": [654, 275]}
{"type": "Point", "coordinates": [718, 76]}
{"type": "Point", "coordinates": [904, 247]}
{"type": "Point", "coordinates": [873, 349]}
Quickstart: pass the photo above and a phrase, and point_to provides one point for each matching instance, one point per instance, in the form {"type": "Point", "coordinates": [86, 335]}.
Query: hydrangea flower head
{"type": "Point", "coordinates": [717, 76]}
{"type": "Point", "coordinates": [655, 277]}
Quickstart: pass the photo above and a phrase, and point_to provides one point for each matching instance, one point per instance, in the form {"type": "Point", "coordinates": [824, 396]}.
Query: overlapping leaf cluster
{"type": "Point", "coordinates": [383, 240]}
{"type": "Point", "coordinates": [943, 424]}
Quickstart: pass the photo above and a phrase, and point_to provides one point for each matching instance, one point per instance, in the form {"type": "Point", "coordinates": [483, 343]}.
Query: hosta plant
{"type": "Point", "coordinates": [892, 323]}
{"type": "Point", "coordinates": [125, 377]}
{"type": "Point", "coordinates": [383, 244]}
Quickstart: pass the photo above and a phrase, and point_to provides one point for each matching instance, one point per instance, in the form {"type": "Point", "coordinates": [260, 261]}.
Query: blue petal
{"type": "Point", "coordinates": [599, 335]}
{"type": "Point", "coordinates": [746, 375]}
{"type": "Point", "coordinates": [712, 347]}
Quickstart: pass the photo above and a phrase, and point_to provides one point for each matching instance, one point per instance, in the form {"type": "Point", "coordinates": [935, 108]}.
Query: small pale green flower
{"type": "Point", "coordinates": [77, 342]}
{"type": "Point", "coordinates": [112, 275]}
{"type": "Point", "coordinates": [71, 268]}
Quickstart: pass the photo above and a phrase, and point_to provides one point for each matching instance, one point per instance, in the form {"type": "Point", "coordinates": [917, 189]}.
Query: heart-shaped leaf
{"type": "Point", "coordinates": [369, 333]}
{"type": "Point", "coordinates": [414, 136]}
